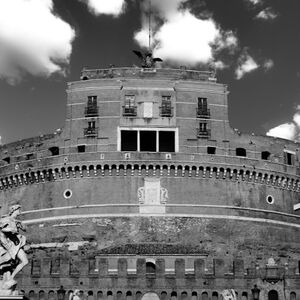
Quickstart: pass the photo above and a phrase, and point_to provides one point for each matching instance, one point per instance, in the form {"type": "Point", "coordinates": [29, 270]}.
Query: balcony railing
{"type": "Point", "coordinates": [203, 113]}
{"type": "Point", "coordinates": [166, 111]}
{"type": "Point", "coordinates": [91, 132]}
{"type": "Point", "coordinates": [203, 133]}
{"type": "Point", "coordinates": [91, 111]}
{"type": "Point", "coordinates": [130, 111]}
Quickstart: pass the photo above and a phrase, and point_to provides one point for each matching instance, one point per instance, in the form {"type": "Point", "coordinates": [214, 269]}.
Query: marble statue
{"type": "Point", "coordinates": [12, 255]}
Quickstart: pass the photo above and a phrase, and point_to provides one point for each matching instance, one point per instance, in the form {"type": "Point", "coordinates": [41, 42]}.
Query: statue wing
{"type": "Point", "coordinates": [138, 53]}
{"type": "Point", "coordinates": [157, 59]}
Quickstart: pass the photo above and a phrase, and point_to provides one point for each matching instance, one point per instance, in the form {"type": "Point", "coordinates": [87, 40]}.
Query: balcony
{"type": "Point", "coordinates": [203, 133]}
{"type": "Point", "coordinates": [203, 113]}
{"type": "Point", "coordinates": [91, 132]}
{"type": "Point", "coordinates": [91, 111]}
{"type": "Point", "coordinates": [166, 111]}
{"type": "Point", "coordinates": [129, 111]}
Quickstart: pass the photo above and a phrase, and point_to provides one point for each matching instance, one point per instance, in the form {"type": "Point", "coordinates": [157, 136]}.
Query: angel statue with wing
{"type": "Point", "coordinates": [12, 255]}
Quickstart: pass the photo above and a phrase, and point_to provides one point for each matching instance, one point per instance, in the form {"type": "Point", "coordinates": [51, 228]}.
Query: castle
{"type": "Point", "coordinates": [147, 193]}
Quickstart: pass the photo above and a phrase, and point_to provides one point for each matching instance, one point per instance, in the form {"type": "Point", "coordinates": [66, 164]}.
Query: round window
{"type": "Point", "coordinates": [67, 193]}
{"type": "Point", "coordinates": [270, 199]}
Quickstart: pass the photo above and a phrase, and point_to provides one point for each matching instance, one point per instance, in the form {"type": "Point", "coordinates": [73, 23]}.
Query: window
{"type": "Point", "coordinates": [129, 108]}
{"type": "Point", "coordinates": [91, 109]}
{"type": "Point", "coordinates": [81, 148]}
{"type": "Point", "coordinates": [91, 130]}
{"type": "Point", "coordinates": [289, 157]}
{"type": "Point", "coordinates": [148, 141]}
{"type": "Point", "coordinates": [150, 268]}
{"type": "Point", "coordinates": [265, 155]}
{"type": "Point", "coordinates": [155, 140]}
{"type": "Point", "coordinates": [128, 140]}
{"type": "Point", "coordinates": [240, 152]}
{"type": "Point", "coordinates": [54, 151]}
{"type": "Point", "coordinates": [211, 150]}
{"type": "Point", "coordinates": [166, 141]}
{"type": "Point", "coordinates": [203, 131]}
{"type": "Point", "coordinates": [166, 107]}
{"type": "Point", "coordinates": [202, 110]}
{"type": "Point", "coordinates": [7, 159]}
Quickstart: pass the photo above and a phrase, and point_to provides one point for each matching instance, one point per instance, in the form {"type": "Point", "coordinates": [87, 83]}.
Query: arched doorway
{"type": "Point", "coordinates": [150, 296]}
{"type": "Point", "coordinates": [272, 295]}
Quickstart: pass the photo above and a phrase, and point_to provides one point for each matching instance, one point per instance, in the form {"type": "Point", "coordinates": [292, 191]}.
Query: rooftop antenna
{"type": "Point", "coordinates": [149, 25]}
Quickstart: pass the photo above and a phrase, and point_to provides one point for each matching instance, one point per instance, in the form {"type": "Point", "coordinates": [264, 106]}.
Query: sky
{"type": "Point", "coordinates": [254, 46]}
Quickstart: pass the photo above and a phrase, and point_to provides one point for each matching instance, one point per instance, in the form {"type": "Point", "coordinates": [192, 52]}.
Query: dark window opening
{"type": "Point", "coordinates": [166, 141]}
{"type": "Point", "coordinates": [288, 158]}
{"type": "Point", "coordinates": [81, 148]}
{"type": "Point", "coordinates": [272, 295]}
{"type": "Point", "coordinates": [211, 150]}
{"type": "Point", "coordinates": [202, 110]}
{"type": "Point", "coordinates": [29, 156]}
{"type": "Point", "coordinates": [7, 159]}
{"type": "Point", "coordinates": [54, 151]}
{"type": "Point", "coordinates": [150, 268]}
{"type": "Point", "coordinates": [240, 152]}
{"type": "Point", "coordinates": [91, 109]}
{"type": "Point", "coordinates": [265, 155]}
{"type": "Point", "coordinates": [148, 141]}
{"type": "Point", "coordinates": [203, 131]}
{"type": "Point", "coordinates": [91, 130]}
{"type": "Point", "coordinates": [129, 108]}
{"type": "Point", "coordinates": [128, 140]}
{"type": "Point", "coordinates": [166, 107]}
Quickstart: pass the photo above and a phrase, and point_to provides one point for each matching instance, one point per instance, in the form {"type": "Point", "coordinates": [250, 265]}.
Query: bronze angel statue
{"type": "Point", "coordinates": [147, 60]}
{"type": "Point", "coordinates": [12, 255]}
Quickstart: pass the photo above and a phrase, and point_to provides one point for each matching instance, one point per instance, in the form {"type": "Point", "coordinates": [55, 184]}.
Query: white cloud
{"type": "Point", "coordinates": [284, 131]}
{"type": "Point", "coordinates": [289, 131]}
{"type": "Point", "coordinates": [268, 64]}
{"type": "Point", "coordinates": [106, 7]}
{"type": "Point", "coordinates": [32, 39]}
{"type": "Point", "coordinates": [183, 38]}
{"type": "Point", "coordinates": [246, 65]}
{"type": "Point", "coordinates": [255, 2]}
{"type": "Point", "coordinates": [266, 14]}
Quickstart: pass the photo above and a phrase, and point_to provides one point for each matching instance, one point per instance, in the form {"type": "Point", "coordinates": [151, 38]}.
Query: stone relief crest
{"type": "Point", "coordinates": [152, 197]}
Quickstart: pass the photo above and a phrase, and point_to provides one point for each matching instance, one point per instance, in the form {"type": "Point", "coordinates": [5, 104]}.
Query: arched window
{"type": "Point", "coordinates": [99, 295]}
{"type": "Point", "coordinates": [292, 296]}
{"type": "Point", "coordinates": [240, 152]}
{"type": "Point", "coordinates": [272, 295]}
{"type": "Point", "coordinates": [194, 296]}
{"type": "Point", "coordinates": [173, 296]}
{"type": "Point", "coordinates": [51, 295]}
{"type": "Point", "coordinates": [204, 296]}
{"type": "Point", "coordinates": [163, 296]}
{"type": "Point", "coordinates": [42, 295]}
{"type": "Point", "coordinates": [31, 295]}
{"type": "Point", "coordinates": [109, 295]}
{"type": "Point", "coordinates": [215, 296]}
{"type": "Point", "coordinates": [90, 295]}
{"type": "Point", "coordinates": [150, 267]}
{"type": "Point", "coordinates": [244, 296]}
{"type": "Point", "coordinates": [128, 295]}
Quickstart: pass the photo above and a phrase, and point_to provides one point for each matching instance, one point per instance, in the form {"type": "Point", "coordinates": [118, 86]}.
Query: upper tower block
{"type": "Point", "coordinates": [146, 109]}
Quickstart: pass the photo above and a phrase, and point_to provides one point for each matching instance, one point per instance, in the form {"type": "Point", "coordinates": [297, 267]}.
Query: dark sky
{"type": "Point", "coordinates": [260, 100]}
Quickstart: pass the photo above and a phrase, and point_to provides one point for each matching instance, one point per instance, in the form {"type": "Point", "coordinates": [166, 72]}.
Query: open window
{"type": "Point", "coordinates": [155, 140]}
{"type": "Point", "coordinates": [128, 140]}
{"type": "Point", "coordinates": [54, 150]}
{"type": "Point", "coordinates": [240, 152]}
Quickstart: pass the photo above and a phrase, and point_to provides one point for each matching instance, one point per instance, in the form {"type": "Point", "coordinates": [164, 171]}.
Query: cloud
{"type": "Point", "coordinates": [255, 2]}
{"type": "Point", "coordinates": [180, 37]}
{"type": "Point", "coordinates": [106, 7]}
{"type": "Point", "coordinates": [266, 14]}
{"type": "Point", "coordinates": [32, 39]}
{"type": "Point", "coordinates": [290, 130]}
{"type": "Point", "coordinates": [246, 65]}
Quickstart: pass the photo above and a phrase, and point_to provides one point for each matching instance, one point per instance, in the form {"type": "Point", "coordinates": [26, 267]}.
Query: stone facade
{"type": "Point", "coordinates": [148, 192]}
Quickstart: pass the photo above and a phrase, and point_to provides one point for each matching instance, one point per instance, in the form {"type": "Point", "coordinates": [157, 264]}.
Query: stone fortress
{"type": "Point", "coordinates": [147, 193]}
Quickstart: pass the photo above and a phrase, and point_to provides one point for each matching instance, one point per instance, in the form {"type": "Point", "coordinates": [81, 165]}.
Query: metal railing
{"type": "Point", "coordinates": [203, 113]}
{"type": "Point", "coordinates": [91, 131]}
{"type": "Point", "coordinates": [91, 111]}
{"type": "Point", "coordinates": [129, 111]}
